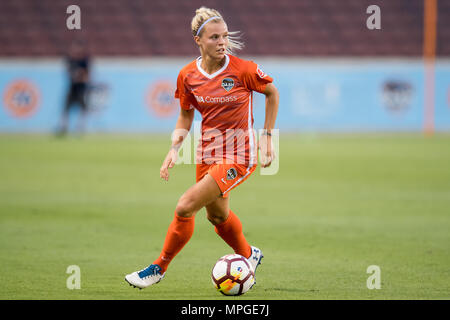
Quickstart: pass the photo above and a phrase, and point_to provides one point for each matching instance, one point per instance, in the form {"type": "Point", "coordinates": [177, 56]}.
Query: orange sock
{"type": "Point", "coordinates": [231, 232]}
{"type": "Point", "coordinates": [179, 233]}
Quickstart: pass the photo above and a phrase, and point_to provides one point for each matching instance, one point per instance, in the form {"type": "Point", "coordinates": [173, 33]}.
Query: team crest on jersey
{"type": "Point", "coordinates": [231, 174]}
{"type": "Point", "coordinates": [228, 84]}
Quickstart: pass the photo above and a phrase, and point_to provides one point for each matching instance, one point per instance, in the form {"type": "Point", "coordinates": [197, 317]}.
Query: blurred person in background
{"type": "Point", "coordinates": [77, 62]}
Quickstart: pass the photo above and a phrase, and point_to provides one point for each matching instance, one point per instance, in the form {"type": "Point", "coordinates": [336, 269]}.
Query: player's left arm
{"type": "Point", "coordinates": [265, 142]}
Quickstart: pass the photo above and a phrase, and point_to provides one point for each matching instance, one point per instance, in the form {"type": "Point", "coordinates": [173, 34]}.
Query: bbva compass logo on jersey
{"type": "Point", "coordinates": [228, 84]}
{"type": "Point", "coordinates": [231, 174]}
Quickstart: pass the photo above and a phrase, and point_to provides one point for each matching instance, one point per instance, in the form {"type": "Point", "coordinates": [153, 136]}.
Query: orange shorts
{"type": "Point", "coordinates": [227, 176]}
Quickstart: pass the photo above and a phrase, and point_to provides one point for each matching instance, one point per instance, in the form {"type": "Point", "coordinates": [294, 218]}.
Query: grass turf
{"type": "Point", "coordinates": [338, 204]}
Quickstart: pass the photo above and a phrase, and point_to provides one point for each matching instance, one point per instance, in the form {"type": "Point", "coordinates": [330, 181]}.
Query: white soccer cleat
{"type": "Point", "coordinates": [255, 258]}
{"type": "Point", "coordinates": [146, 277]}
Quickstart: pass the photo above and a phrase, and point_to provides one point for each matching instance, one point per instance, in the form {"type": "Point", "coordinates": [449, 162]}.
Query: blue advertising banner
{"type": "Point", "coordinates": [136, 95]}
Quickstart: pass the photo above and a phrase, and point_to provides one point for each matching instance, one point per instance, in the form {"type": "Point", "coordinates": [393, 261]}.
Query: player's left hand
{"type": "Point", "coordinates": [267, 154]}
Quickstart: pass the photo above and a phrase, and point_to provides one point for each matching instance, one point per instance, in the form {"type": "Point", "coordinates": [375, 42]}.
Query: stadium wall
{"type": "Point", "coordinates": [136, 95]}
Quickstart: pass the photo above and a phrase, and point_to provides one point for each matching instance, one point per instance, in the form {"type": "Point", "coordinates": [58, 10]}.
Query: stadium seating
{"type": "Point", "coordinates": [162, 27]}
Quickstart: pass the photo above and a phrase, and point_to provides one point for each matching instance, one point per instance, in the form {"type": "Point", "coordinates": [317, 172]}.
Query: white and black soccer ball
{"type": "Point", "coordinates": [233, 275]}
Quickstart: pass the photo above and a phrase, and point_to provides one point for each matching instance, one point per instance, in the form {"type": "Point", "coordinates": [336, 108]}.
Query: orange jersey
{"type": "Point", "coordinates": [224, 99]}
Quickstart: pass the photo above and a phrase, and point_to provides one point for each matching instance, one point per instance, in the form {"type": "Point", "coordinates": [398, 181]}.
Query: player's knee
{"type": "Point", "coordinates": [216, 218]}
{"type": "Point", "coordinates": [185, 207]}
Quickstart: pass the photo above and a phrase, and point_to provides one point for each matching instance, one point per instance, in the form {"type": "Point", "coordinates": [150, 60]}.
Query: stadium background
{"type": "Point", "coordinates": [379, 177]}
{"type": "Point", "coordinates": [332, 71]}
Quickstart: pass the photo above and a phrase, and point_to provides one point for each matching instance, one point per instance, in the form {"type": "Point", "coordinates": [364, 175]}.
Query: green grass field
{"type": "Point", "coordinates": [338, 204]}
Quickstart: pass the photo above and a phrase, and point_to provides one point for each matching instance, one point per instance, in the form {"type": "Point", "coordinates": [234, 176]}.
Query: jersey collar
{"type": "Point", "coordinates": [210, 76]}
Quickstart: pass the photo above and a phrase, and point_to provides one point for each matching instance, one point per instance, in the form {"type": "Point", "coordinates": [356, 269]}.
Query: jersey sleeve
{"type": "Point", "coordinates": [254, 78]}
{"type": "Point", "coordinates": [187, 101]}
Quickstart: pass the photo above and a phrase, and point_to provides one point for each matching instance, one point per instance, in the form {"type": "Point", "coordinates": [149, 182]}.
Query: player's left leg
{"type": "Point", "coordinates": [228, 226]}
{"type": "Point", "coordinates": [218, 210]}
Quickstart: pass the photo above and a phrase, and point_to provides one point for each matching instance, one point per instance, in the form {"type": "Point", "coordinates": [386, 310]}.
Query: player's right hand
{"type": "Point", "coordinates": [168, 163]}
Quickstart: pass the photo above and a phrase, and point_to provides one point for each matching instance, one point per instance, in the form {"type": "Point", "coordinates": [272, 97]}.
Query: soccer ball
{"type": "Point", "coordinates": [233, 275]}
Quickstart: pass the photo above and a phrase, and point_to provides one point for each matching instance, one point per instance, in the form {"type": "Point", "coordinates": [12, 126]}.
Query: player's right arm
{"type": "Point", "coordinates": [182, 128]}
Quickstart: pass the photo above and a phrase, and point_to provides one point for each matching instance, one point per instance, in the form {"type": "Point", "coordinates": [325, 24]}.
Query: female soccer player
{"type": "Point", "coordinates": [219, 85]}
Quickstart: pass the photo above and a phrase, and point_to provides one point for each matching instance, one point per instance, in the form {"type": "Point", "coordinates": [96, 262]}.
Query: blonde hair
{"type": "Point", "coordinates": [202, 14]}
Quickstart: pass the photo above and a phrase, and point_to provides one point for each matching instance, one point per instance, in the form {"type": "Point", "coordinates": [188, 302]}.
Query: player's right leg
{"type": "Point", "coordinates": [180, 231]}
